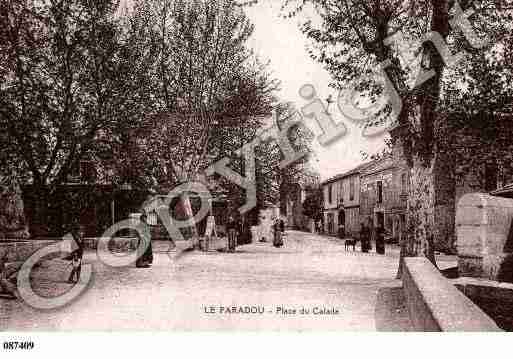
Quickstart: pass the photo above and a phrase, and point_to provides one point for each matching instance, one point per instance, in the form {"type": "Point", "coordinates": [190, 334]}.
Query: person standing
{"type": "Point", "coordinates": [278, 227]}
{"type": "Point", "coordinates": [77, 254]}
{"type": "Point", "coordinates": [341, 231]}
{"type": "Point", "coordinates": [144, 248]}
{"type": "Point", "coordinates": [380, 239]}
{"type": "Point", "coordinates": [364, 238]}
{"type": "Point", "coordinates": [233, 228]}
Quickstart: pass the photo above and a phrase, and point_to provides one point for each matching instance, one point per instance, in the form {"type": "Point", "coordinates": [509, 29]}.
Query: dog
{"type": "Point", "coordinates": [350, 242]}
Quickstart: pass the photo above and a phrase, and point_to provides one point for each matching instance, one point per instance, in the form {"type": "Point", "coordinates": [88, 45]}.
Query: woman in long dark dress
{"type": "Point", "coordinates": [144, 249]}
{"type": "Point", "coordinates": [279, 227]}
{"type": "Point", "coordinates": [364, 238]}
{"type": "Point", "coordinates": [380, 240]}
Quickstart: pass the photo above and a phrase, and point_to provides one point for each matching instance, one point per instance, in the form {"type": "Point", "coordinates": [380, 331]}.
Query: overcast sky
{"type": "Point", "coordinates": [281, 41]}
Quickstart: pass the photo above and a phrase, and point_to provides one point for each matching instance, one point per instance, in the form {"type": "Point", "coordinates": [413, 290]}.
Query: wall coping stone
{"type": "Point", "coordinates": [450, 309]}
{"type": "Point", "coordinates": [481, 282]}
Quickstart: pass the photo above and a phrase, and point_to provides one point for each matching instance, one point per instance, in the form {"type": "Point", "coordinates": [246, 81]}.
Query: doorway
{"type": "Point", "coordinates": [342, 223]}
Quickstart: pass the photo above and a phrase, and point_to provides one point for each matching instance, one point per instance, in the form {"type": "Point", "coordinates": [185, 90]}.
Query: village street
{"type": "Point", "coordinates": [309, 272]}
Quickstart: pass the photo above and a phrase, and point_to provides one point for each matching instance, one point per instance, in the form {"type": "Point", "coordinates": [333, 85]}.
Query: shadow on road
{"type": "Point", "coordinates": [391, 314]}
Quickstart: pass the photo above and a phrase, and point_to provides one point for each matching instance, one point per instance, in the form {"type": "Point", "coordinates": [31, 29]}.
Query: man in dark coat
{"type": "Point", "coordinates": [365, 238]}
{"type": "Point", "coordinates": [380, 239]}
{"type": "Point", "coordinates": [233, 230]}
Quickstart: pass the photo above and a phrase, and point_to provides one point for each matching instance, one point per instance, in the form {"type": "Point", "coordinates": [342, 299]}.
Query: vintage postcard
{"type": "Point", "coordinates": [260, 165]}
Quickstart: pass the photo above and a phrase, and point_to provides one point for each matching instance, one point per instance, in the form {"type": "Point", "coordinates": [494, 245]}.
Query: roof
{"type": "Point", "coordinates": [351, 172]}
{"type": "Point", "coordinates": [379, 165]}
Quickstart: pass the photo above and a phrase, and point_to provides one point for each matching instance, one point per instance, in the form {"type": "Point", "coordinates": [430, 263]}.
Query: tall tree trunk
{"type": "Point", "coordinates": [186, 205]}
{"type": "Point", "coordinates": [421, 199]}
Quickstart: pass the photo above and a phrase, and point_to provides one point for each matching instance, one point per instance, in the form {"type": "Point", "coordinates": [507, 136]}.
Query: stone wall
{"type": "Point", "coordinates": [484, 226]}
{"type": "Point", "coordinates": [435, 304]}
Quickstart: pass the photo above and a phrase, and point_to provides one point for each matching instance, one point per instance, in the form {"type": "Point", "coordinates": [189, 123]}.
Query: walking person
{"type": "Point", "coordinates": [144, 248]}
{"type": "Point", "coordinates": [233, 228]}
{"type": "Point", "coordinates": [77, 254]}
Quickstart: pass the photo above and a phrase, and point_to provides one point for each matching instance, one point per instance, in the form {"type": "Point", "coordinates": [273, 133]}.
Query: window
{"type": "Point", "coordinates": [341, 193]}
{"type": "Point", "coordinates": [330, 194]}
{"type": "Point", "coordinates": [352, 188]}
{"type": "Point", "coordinates": [380, 191]}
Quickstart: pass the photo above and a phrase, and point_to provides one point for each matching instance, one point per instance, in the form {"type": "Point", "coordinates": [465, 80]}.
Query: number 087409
{"type": "Point", "coordinates": [13, 345]}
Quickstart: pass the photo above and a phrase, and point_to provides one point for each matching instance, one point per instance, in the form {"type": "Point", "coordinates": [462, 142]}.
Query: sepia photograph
{"type": "Point", "coordinates": [255, 166]}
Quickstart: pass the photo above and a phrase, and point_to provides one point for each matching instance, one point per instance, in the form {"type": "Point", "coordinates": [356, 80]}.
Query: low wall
{"type": "Point", "coordinates": [20, 250]}
{"type": "Point", "coordinates": [124, 244]}
{"type": "Point", "coordinates": [435, 304]}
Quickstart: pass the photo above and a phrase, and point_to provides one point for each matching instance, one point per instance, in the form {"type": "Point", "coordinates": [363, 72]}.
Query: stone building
{"type": "Point", "coordinates": [342, 202]}
{"type": "Point", "coordinates": [384, 193]}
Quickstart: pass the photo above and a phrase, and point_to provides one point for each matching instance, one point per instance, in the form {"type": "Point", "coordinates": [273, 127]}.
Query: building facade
{"type": "Point", "coordinates": [383, 197]}
{"type": "Point", "coordinates": [342, 202]}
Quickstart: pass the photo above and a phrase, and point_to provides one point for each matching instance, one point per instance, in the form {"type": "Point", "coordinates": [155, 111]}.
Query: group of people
{"type": "Point", "coordinates": [366, 236]}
